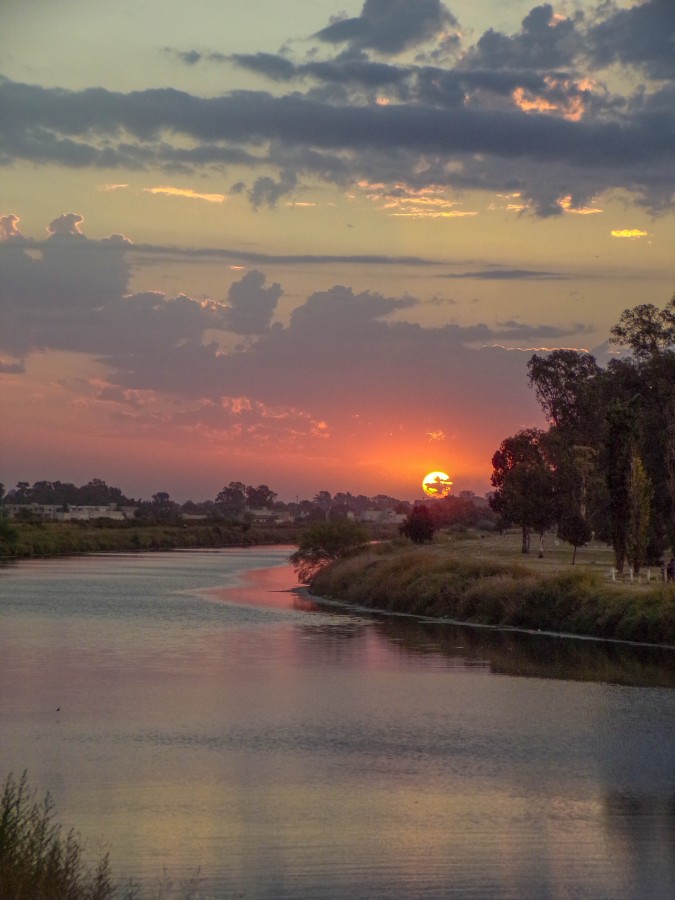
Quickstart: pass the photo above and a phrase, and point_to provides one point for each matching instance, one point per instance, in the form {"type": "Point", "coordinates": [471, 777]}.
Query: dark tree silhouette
{"type": "Point", "coordinates": [419, 525]}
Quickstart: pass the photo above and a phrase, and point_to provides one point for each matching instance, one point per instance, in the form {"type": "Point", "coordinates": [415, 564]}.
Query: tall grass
{"type": "Point", "coordinates": [37, 861]}
{"type": "Point", "coordinates": [446, 582]}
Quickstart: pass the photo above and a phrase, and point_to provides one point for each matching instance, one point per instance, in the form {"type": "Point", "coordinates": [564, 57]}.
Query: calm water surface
{"type": "Point", "coordinates": [215, 723]}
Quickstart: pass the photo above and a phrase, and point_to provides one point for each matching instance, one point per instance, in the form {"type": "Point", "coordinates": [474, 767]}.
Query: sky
{"type": "Point", "coordinates": [314, 244]}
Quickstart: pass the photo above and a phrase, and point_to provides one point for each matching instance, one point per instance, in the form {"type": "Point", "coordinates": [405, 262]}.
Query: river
{"type": "Point", "coordinates": [209, 726]}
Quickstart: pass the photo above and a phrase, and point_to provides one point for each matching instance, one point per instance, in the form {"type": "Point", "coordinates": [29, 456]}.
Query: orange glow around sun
{"type": "Point", "coordinates": [436, 484]}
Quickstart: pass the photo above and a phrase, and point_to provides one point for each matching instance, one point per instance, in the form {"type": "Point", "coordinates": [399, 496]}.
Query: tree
{"type": "Point", "coordinates": [326, 542]}
{"type": "Point", "coordinates": [619, 453]}
{"type": "Point", "coordinates": [259, 498]}
{"type": "Point", "coordinates": [523, 479]}
{"type": "Point", "coordinates": [574, 529]}
{"type": "Point", "coordinates": [639, 501]}
{"type": "Point", "coordinates": [323, 502]}
{"type": "Point", "coordinates": [649, 332]}
{"type": "Point", "coordinates": [8, 534]}
{"type": "Point", "coordinates": [419, 525]}
{"type": "Point", "coordinates": [231, 501]}
{"type": "Point", "coordinates": [567, 384]}
{"type": "Point", "coordinates": [646, 329]}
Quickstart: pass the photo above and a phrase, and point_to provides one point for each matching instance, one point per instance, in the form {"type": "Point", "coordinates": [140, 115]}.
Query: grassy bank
{"type": "Point", "coordinates": [487, 581]}
{"type": "Point", "coordinates": [44, 539]}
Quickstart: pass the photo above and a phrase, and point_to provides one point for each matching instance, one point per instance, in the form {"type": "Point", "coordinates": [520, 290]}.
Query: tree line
{"type": "Point", "coordinates": [231, 502]}
{"type": "Point", "coordinates": [605, 467]}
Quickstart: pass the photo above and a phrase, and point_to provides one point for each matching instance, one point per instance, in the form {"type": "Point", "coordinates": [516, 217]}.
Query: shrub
{"type": "Point", "coordinates": [326, 542]}
{"type": "Point", "coordinates": [36, 861]}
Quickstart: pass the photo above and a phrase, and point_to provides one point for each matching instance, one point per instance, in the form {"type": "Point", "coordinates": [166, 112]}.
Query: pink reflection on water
{"type": "Point", "coordinates": [275, 587]}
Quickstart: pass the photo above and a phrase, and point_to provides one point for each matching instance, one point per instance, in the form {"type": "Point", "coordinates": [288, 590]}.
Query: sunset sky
{"type": "Point", "coordinates": [313, 244]}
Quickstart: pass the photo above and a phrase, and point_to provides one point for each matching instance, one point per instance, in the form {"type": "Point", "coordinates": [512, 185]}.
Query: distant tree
{"type": "Point", "coordinates": [326, 542]}
{"type": "Point", "coordinates": [323, 502]}
{"type": "Point", "coordinates": [259, 498]}
{"type": "Point", "coordinates": [21, 493]}
{"type": "Point", "coordinates": [419, 525]}
{"type": "Point", "coordinates": [160, 509]}
{"type": "Point", "coordinates": [231, 501]}
{"type": "Point", "coordinates": [8, 534]}
{"type": "Point", "coordinates": [98, 493]}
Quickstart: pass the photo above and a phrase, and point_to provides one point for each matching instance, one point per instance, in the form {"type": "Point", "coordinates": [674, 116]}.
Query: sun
{"type": "Point", "coordinates": [436, 484]}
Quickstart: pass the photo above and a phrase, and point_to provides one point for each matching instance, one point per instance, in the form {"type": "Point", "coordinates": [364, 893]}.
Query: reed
{"type": "Point", "coordinates": [36, 859]}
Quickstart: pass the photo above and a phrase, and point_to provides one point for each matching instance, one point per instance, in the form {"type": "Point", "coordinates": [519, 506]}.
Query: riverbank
{"type": "Point", "coordinates": [482, 581]}
{"type": "Point", "coordinates": [48, 539]}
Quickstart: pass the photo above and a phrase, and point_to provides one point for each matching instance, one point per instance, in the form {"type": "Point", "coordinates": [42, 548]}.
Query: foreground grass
{"type": "Point", "coordinates": [485, 582]}
{"type": "Point", "coordinates": [39, 862]}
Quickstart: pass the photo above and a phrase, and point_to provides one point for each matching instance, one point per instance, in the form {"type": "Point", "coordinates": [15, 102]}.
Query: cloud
{"type": "Point", "coordinates": [9, 228]}
{"type": "Point", "coordinates": [508, 275]}
{"type": "Point", "coordinates": [188, 193]}
{"type": "Point", "coordinates": [12, 368]}
{"type": "Point", "coordinates": [166, 371]}
{"type": "Point", "coordinates": [545, 42]}
{"type": "Point", "coordinates": [629, 233]}
{"type": "Point", "coordinates": [390, 26]}
{"type": "Point", "coordinates": [540, 112]}
{"type": "Point", "coordinates": [643, 35]}
{"type": "Point", "coordinates": [66, 226]}
{"type": "Point", "coordinates": [251, 304]}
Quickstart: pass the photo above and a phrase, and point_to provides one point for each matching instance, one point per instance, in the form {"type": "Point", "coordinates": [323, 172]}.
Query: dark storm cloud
{"type": "Point", "coordinates": [514, 112]}
{"type": "Point", "coordinates": [390, 26]}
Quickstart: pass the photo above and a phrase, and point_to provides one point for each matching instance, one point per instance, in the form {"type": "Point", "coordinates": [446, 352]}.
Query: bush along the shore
{"type": "Point", "coordinates": [425, 582]}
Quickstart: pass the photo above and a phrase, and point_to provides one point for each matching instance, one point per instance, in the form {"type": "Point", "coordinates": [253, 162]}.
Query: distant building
{"type": "Point", "coordinates": [268, 517]}
{"type": "Point", "coordinates": [382, 517]}
{"type": "Point", "coordinates": [59, 512]}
